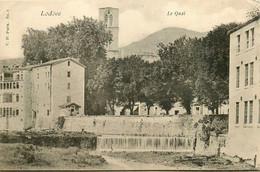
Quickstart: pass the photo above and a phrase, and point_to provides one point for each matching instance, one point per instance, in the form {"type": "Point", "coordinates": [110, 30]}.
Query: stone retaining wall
{"type": "Point", "coordinates": [181, 125]}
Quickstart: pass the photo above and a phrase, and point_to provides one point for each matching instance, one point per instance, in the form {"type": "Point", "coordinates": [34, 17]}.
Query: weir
{"type": "Point", "coordinates": [145, 143]}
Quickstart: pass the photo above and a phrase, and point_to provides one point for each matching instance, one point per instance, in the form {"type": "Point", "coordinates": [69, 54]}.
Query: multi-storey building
{"type": "Point", "coordinates": [15, 99]}
{"type": "Point", "coordinates": [35, 94]}
{"type": "Point", "coordinates": [244, 91]}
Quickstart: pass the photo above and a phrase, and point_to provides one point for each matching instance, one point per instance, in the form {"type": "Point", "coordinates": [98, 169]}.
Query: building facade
{"type": "Point", "coordinates": [110, 17]}
{"type": "Point", "coordinates": [15, 99]}
{"type": "Point", "coordinates": [32, 97]}
{"type": "Point", "coordinates": [244, 91]}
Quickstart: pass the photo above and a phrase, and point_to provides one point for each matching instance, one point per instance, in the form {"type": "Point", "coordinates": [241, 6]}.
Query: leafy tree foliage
{"type": "Point", "coordinates": [212, 75]}
{"type": "Point", "coordinates": [177, 58]}
{"type": "Point", "coordinates": [111, 82]}
{"type": "Point", "coordinates": [130, 81]}
{"type": "Point", "coordinates": [253, 13]}
{"type": "Point", "coordinates": [151, 84]}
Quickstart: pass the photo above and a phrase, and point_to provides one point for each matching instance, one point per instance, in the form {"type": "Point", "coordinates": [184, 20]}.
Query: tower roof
{"type": "Point", "coordinates": [109, 8]}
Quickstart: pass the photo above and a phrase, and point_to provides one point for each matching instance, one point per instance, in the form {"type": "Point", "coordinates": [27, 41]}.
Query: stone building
{"type": "Point", "coordinates": [31, 97]}
{"type": "Point", "coordinates": [110, 17]}
{"type": "Point", "coordinates": [55, 83]}
{"type": "Point", "coordinates": [244, 91]}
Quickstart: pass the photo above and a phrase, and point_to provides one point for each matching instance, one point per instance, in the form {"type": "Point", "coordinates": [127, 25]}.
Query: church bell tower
{"type": "Point", "coordinates": [110, 17]}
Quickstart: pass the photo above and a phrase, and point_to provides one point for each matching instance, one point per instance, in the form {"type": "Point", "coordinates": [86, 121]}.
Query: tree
{"type": "Point", "coordinates": [178, 58]}
{"type": "Point", "coordinates": [110, 87]}
{"type": "Point", "coordinates": [35, 45]}
{"type": "Point", "coordinates": [253, 13]}
{"type": "Point", "coordinates": [212, 74]}
{"type": "Point", "coordinates": [149, 90]}
{"type": "Point", "coordinates": [130, 81]}
{"type": "Point", "coordinates": [167, 92]}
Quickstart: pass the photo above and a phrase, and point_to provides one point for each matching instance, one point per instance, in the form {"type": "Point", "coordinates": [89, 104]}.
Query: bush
{"type": "Point", "coordinates": [212, 123]}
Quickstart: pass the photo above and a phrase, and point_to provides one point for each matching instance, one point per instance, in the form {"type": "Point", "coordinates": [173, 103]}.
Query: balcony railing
{"type": "Point", "coordinates": [8, 79]}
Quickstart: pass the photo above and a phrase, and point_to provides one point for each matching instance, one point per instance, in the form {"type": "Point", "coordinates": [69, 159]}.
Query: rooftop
{"type": "Point", "coordinates": [244, 24]}
{"type": "Point", "coordinates": [69, 105]}
{"type": "Point", "coordinates": [109, 8]}
{"type": "Point", "coordinates": [52, 62]}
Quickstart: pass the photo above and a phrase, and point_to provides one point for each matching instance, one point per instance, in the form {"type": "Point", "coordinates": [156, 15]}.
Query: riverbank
{"type": "Point", "coordinates": [177, 161]}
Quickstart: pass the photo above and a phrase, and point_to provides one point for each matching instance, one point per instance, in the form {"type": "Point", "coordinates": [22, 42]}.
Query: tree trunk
{"type": "Point", "coordinates": [217, 110]}
{"type": "Point", "coordinates": [148, 110]}
{"type": "Point", "coordinates": [131, 107]}
{"type": "Point", "coordinates": [188, 109]}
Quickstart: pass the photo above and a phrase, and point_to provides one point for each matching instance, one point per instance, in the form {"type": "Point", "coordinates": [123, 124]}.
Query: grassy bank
{"type": "Point", "coordinates": [27, 156]}
{"type": "Point", "coordinates": [51, 138]}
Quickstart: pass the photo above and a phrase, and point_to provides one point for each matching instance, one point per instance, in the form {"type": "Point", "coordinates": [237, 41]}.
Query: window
{"type": "Point", "coordinates": [17, 112]}
{"type": "Point", "coordinates": [68, 74]}
{"type": "Point", "coordinates": [17, 85]}
{"type": "Point", "coordinates": [251, 112]}
{"type": "Point", "coordinates": [18, 77]}
{"type": "Point", "coordinates": [237, 112]}
{"type": "Point", "coordinates": [11, 111]}
{"type": "Point", "coordinates": [38, 76]}
{"type": "Point", "coordinates": [7, 98]}
{"type": "Point", "coordinates": [68, 85]}
{"type": "Point", "coordinates": [246, 74]}
{"type": "Point", "coordinates": [7, 85]}
{"type": "Point", "coordinates": [110, 20]}
{"type": "Point", "coordinates": [17, 97]}
{"type": "Point", "coordinates": [106, 19]}
{"type": "Point", "coordinates": [1, 112]}
{"type": "Point", "coordinates": [4, 112]}
{"type": "Point", "coordinates": [247, 39]}
{"type": "Point", "coordinates": [68, 99]}
{"type": "Point", "coordinates": [14, 85]}
{"type": "Point", "coordinates": [252, 73]}
{"type": "Point", "coordinates": [259, 111]}
{"type": "Point", "coordinates": [7, 111]}
{"type": "Point", "coordinates": [253, 36]}
{"type": "Point", "coordinates": [68, 63]}
{"type": "Point", "coordinates": [21, 76]}
{"type": "Point", "coordinates": [245, 112]}
{"type": "Point", "coordinates": [1, 85]}
{"type": "Point", "coordinates": [48, 112]}
{"type": "Point", "coordinates": [238, 43]}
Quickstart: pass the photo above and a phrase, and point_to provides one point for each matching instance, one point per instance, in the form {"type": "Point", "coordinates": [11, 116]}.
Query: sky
{"type": "Point", "coordinates": [137, 18]}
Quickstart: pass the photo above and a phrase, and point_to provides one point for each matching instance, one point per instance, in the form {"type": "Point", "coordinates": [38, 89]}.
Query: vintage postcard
{"type": "Point", "coordinates": [130, 85]}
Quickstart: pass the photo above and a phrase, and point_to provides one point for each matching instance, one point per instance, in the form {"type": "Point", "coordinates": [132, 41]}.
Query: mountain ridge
{"type": "Point", "coordinates": [149, 43]}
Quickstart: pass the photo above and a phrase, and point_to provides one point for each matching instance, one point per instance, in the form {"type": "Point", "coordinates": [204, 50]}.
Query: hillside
{"type": "Point", "coordinates": [148, 45]}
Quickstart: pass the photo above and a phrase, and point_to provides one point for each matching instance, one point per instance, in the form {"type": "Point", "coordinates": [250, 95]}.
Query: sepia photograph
{"type": "Point", "coordinates": [130, 85]}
